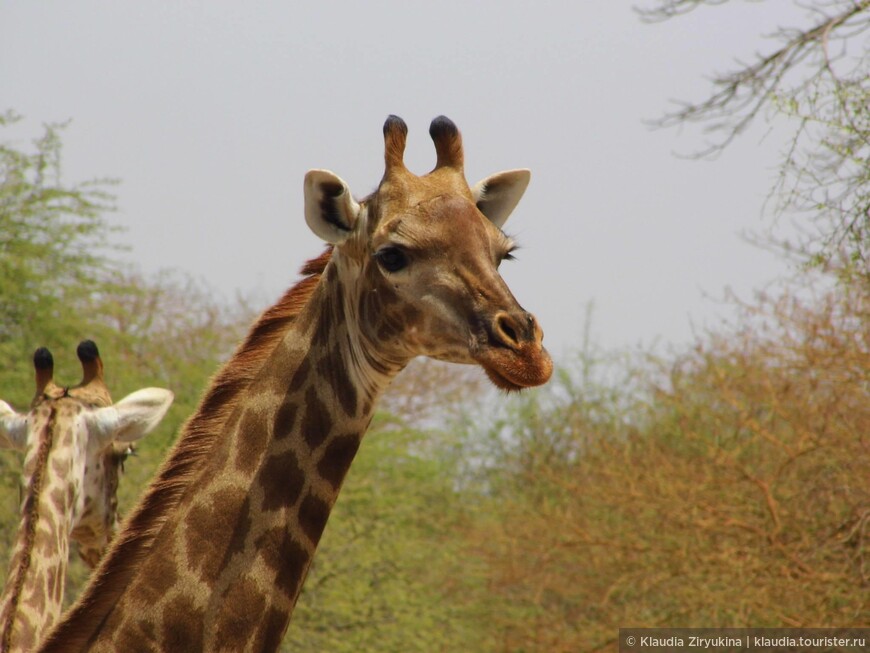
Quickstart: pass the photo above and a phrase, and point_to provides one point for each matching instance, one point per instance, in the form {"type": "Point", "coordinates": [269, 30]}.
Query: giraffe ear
{"type": "Point", "coordinates": [131, 418]}
{"type": "Point", "coordinates": [13, 428]}
{"type": "Point", "coordinates": [330, 209]}
{"type": "Point", "coordinates": [498, 195]}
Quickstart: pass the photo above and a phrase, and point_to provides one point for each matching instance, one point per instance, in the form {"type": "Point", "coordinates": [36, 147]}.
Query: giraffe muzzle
{"type": "Point", "coordinates": [514, 357]}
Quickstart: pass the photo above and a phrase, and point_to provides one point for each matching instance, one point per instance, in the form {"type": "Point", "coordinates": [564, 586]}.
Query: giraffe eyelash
{"type": "Point", "coordinates": [509, 252]}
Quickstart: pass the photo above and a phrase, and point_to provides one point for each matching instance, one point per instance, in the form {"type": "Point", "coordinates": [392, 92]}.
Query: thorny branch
{"type": "Point", "coordinates": [742, 94]}
{"type": "Point", "coordinates": [818, 76]}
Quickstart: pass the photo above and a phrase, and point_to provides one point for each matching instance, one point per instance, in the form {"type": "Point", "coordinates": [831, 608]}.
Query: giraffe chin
{"type": "Point", "coordinates": [513, 371]}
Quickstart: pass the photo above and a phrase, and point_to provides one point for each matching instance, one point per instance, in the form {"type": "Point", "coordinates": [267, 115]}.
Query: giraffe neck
{"type": "Point", "coordinates": [228, 566]}
{"type": "Point", "coordinates": [33, 596]}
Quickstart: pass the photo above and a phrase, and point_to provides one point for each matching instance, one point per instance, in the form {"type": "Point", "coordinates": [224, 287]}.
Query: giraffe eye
{"type": "Point", "coordinates": [391, 259]}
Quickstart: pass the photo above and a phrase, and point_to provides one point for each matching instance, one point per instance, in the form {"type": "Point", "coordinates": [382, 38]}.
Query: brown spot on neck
{"type": "Point", "coordinates": [337, 458]}
{"type": "Point", "coordinates": [281, 479]}
{"type": "Point", "coordinates": [251, 438]}
{"type": "Point", "coordinates": [182, 626]}
{"type": "Point", "coordinates": [285, 419]}
{"type": "Point", "coordinates": [286, 558]}
{"type": "Point", "coordinates": [316, 423]}
{"type": "Point", "coordinates": [333, 369]}
{"type": "Point", "coordinates": [233, 626]}
{"type": "Point", "coordinates": [313, 515]}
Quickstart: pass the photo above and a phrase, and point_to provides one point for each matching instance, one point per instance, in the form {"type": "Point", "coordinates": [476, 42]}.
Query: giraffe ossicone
{"type": "Point", "coordinates": [215, 554]}
{"type": "Point", "coordinates": [74, 440]}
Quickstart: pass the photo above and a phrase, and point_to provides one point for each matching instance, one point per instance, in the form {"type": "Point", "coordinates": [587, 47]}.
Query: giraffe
{"type": "Point", "coordinates": [214, 556]}
{"type": "Point", "coordinates": [75, 442]}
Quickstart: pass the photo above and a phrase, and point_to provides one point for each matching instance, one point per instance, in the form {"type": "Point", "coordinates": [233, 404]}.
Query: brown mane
{"type": "Point", "coordinates": [194, 443]}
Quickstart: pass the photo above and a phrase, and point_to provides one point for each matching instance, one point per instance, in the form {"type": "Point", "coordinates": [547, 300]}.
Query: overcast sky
{"type": "Point", "coordinates": [210, 113]}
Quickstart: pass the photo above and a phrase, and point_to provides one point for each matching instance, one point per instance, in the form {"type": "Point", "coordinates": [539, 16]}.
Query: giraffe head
{"type": "Point", "coordinates": [75, 442]}
{"type": "Point", "coordinates": [419, 260]}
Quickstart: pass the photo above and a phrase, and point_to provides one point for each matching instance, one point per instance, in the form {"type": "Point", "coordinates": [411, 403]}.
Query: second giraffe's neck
{"type": "Point", "coordinates": [33, 595]}
{"type": "Point", "coordinates": [227, 569]}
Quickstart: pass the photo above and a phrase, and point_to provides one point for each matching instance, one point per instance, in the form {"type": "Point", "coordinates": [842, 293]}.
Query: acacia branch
{"type": "Point", "coordinates": [741, 95]}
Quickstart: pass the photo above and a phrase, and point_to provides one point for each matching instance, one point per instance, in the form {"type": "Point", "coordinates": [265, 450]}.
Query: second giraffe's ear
{"type": "Point", "coordinates": [13, 428]}
{"type": "Point", "coordinates": [330, 209]}
{"type": "Point", "coordinates": [131, 418]}
{"type": "Point", "coordinates": [498, 195]}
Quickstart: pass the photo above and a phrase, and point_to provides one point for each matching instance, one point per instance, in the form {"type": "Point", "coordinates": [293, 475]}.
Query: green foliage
{"type": "Point", "coordinates": [54, 241]}
{"type": "Point", "coordinates": [830, 181]}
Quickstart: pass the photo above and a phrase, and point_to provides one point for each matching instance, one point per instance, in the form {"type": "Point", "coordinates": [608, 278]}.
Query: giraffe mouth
{"type": "Point", "coordinates": [514, 370]}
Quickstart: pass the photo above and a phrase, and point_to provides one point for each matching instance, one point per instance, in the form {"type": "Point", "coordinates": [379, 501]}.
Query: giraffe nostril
{"type": "Point", "coordinates": [509, 332]}
{"type": "Point", "coordinates": [505, 330]}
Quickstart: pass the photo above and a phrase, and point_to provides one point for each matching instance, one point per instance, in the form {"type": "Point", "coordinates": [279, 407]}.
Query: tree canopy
{"type": "Point", "coordinates": [817, 75]}
{"type": "Point", "coordinates": [54, 246]}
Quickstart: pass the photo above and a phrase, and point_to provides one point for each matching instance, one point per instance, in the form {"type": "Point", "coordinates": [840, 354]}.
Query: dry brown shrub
{"type": "Point", "coordinates": [740, 496]}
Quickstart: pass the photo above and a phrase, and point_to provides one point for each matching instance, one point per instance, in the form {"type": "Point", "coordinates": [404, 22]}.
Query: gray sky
{"type": "Point", "coordinates": [210, 113]}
